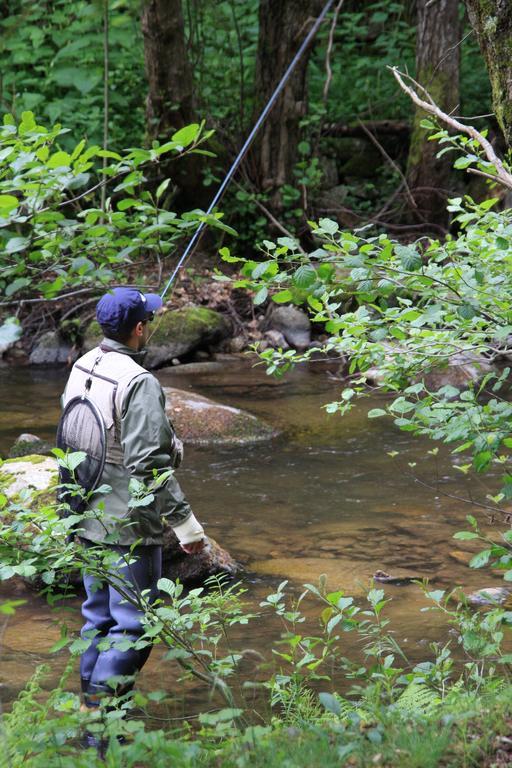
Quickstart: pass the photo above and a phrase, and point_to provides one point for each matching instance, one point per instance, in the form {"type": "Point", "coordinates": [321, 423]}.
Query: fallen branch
{"type": "Point", "coordinates": [399, 128]}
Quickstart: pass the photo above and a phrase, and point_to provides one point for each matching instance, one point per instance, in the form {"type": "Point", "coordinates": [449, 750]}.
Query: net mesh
{"type": "Point", "coordinates": [81, 428]}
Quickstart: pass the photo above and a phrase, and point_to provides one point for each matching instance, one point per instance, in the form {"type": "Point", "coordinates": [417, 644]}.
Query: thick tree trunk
{"type": "Point", "coordinates": [492, 22]}
{"type": "Point", "coordinates": [283, 25]}
{"type": "Point", "coordinates": [437, 69]}
{"type": "Point", "coordinates": [170, 100]}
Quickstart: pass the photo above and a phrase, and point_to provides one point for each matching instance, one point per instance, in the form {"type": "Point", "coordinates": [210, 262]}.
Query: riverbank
{"type": "Point", "coordinates": [202, 317]}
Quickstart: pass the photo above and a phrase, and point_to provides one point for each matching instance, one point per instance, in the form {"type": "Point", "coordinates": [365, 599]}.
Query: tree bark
{"type": "Point", "coordinates": [437, 69]}
{"type": "Point", "coordinates": [283, 25]}
{"type": "Point", "coordinates": [492, 23]}
{"type": "Point", "coordinates": [170, 99]}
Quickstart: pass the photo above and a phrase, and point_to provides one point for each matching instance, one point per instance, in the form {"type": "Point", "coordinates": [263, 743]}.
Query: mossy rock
{"type": "Point", "coordinates": [176, 333]}
{"type": "Point", "coordinates": [36, 474]}
{"type": "Point", "coordinates": [179, 332]}
{"type": "Point", "coordinates": [201, 421]}
{"type": "Point", "coordinates": [93, 336]}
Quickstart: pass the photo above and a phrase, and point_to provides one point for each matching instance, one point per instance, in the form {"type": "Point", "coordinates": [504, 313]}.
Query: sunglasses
{"type": "Point", "coordinates": [149, 317]}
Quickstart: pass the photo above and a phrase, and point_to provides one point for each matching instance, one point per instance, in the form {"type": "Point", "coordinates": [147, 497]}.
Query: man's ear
{"type": "Point", "coordinates": [139, 328]}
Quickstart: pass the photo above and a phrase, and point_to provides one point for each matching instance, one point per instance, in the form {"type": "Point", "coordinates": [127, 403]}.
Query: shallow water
{"type": "Point", "coordinates": [324, 497]}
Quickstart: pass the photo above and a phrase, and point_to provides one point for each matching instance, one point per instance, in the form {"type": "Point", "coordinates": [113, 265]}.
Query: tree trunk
{"type": "Point", "coordinates": [170, 100]}
{"type": "Point", "coordinates": [437, 69]}
{"type": "Point", "coordinates": [492, 22]}
{"type": "Point", "coordinates": [283, 25]}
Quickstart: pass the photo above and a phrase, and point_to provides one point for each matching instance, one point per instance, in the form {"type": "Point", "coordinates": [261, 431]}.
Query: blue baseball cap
{"type": "Point", "coordinates": [121, 309]}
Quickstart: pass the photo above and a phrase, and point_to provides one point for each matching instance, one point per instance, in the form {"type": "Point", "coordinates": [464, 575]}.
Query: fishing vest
{"type": "Point", "coordinates": [110, 373]}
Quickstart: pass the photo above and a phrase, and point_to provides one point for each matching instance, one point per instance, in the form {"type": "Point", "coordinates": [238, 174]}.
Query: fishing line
{"type": "Point", "coordinates": [249, 140]}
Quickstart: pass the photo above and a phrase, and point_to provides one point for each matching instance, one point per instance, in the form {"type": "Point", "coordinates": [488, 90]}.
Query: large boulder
{"type": "Point", "coordinates": [201, 421]}
{"type": "Point", "coordinates": [176, 333]}
{"type": "Point", "coordinates": [52, 350]}
{"type": "Point", "coordinates": [35, 474]}
{"type": "Point", "coordinates": [38, 474]}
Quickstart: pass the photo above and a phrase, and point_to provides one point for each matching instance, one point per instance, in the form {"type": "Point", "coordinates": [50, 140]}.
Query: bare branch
{"type": "Point", "coordinates": [502, 175]}
{"type": "Point", "coordinates": [328, 53]}
{"type": "Point", "coordinates": [396, 167]}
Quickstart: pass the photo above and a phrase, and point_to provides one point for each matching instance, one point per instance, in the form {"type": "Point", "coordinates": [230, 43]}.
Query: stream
{"type": "Point", "coordinates": [323, 498]}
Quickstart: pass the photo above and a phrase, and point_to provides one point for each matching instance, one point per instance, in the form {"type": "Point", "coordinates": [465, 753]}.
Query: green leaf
{"type": "Point", "coordinates": [410, 259]}
{"type": "Point", "coordinates": [282, 297]}
{"type": "Point", "coordinates": [481, 559]}
{"type": "Point", "coordinates": [225, 254]}
{"type": "Point", "coordinates": [17, 285]}
{"type": "Point", "coordinates": [162, 188]}
{"type": "Point", "coordinates": [59, 160]}
{"type": "Point", "coordinates": [261, 296]}
{"type": "Point", "coordinates": [376, 413]}
{"type": "Point", "coordinates": [7, 203]}
{"type": "Point", "coordinates": [16, 244]}
{"type": "Point", "coordinates": [260, 269]}
{"type": "Point", "coordinates": [465, 535]}
{"type": "Point", "coordinates": [186, 135]}
{"type": "Point", "coordinates": [330, 703]}
{"type": "Point", "coordinates": [304, 276]}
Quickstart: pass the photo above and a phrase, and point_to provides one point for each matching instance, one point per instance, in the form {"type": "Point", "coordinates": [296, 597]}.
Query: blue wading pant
{"type": "Point", "coordinates": [109, 616]}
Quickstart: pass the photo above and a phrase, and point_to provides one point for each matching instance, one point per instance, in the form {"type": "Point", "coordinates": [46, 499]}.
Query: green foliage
{"type": "Point", "coordinates": [52, 64]}
{"type": "Point", "coordinates": [53, 236]}
{"type": "Point", "coordinates": [407, 312]}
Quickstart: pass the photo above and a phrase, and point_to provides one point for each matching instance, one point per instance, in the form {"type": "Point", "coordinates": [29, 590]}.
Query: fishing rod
{"type": "Point", "coordinates": [261, 119]}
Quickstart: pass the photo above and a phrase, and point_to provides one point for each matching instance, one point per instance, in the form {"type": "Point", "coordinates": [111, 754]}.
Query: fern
{"type": "Point", "coordinates": [417, 699]}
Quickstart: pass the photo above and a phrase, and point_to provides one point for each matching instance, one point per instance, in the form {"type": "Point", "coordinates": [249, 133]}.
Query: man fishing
{"type": "Point", "coordinates": [140, 444]}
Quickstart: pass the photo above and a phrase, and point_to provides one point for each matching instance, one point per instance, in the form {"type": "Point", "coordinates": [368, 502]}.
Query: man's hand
{"type": "Point", "coordinates": [194, 547]}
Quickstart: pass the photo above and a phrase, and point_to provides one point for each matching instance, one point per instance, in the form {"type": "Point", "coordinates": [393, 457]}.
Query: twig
{"type": "Point", "coordinates": [502, 175]}
{"type": "Point", "coordinates": [390, 160]}
{"type": "Point", "coordinates": [328, 53]}
{"type": "Point", "coordinates": [272, 218]}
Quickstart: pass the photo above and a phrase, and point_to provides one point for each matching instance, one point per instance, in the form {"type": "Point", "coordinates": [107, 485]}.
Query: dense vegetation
{"type": "Point", "coordinates": [398, 290]}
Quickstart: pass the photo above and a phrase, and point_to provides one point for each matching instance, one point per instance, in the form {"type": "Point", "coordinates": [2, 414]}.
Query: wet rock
{"type": "Point", "coordinates": [195, 569]}
{"type": "Point", "coordinates": [27, 444]}
{"type": "Point", "coordinates": [201, 421]}
{"type": "Point", "coordinates": [489, 596]}
{"type": "Point", "coordinates": [182, 331]}
{"type": "Point", "coordinates": [461, 557]}
{"type": "Point", "coordinates": [195, 369]}
{"type": "Point", "coordinates": [35, 473]}
{"type": "Point", "coordinates": [177, 333]}
{"type": "Point", "coordinates": [462, 370]}
{"type": "Point", "coordinates": [237, 343]}
{"type": "Point", "coordinates": [292, 323]}
{"type": "Point", "coordinates": [385, 578]}
{"type": "Point", "coordinates": [52, 350]}
{"type": "Point", "coordinates": [276, 339]}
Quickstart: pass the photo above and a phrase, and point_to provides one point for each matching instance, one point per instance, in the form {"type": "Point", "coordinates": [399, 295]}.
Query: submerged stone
{"type": "Point", "coordinates": [490, 596]}
{"type": "Point", "coordinates": [201, 421]}
{"type": "Point", "coordinates": [341, 574]}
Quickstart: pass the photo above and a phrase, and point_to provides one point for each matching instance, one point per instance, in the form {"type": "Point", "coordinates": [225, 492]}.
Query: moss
{"type": "Point", "coordinates": [34, 458]}
{"type": "Point", "coordinates": [187, 324]}
{"type": "Point", "coordinates": [39, 496]}
{"type": "Point", "coordinates": [93, 335]}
